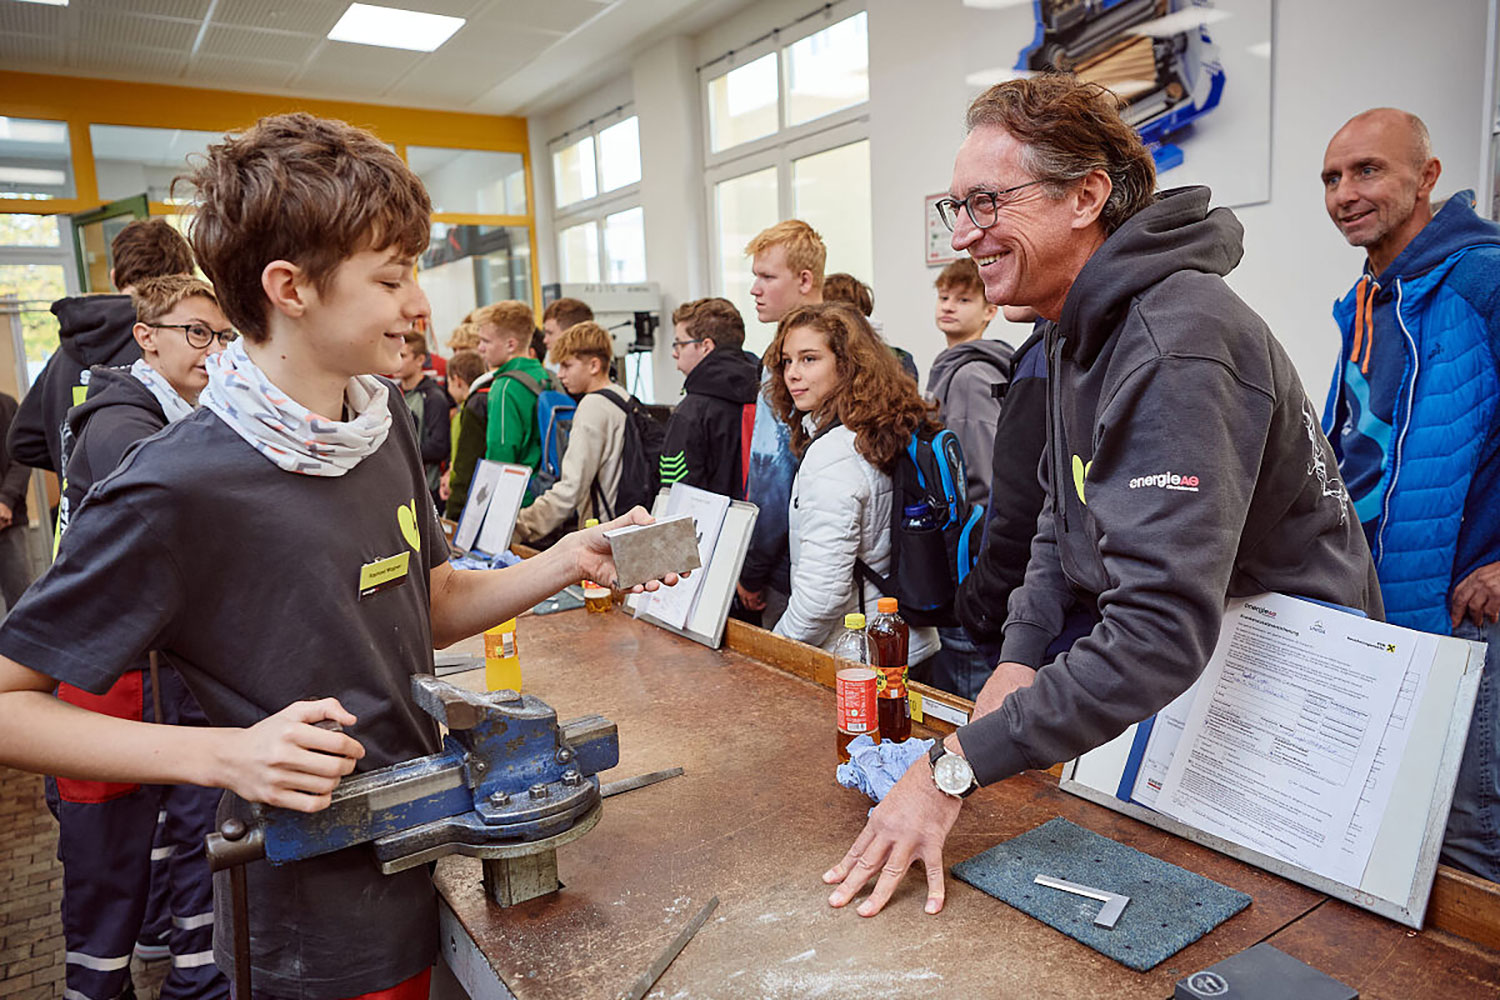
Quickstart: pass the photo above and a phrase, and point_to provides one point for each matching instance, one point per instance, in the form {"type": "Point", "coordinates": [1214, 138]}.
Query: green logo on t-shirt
{"type": "Point", "coordinates": [406, 516]}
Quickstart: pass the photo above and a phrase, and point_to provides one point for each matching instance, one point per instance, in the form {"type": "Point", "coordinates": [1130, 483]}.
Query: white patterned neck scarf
{"type": "Point", "coordinates": [172, 404]}
{"type": "Point", "coordinates": [285, 431]}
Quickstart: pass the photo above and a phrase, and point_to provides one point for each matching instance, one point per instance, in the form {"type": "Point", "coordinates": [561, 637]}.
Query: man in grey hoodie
{"type": "Point", "coordinates": [1184, 462]}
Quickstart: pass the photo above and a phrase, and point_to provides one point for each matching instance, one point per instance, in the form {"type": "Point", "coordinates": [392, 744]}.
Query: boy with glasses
{"type": "Point", "coordinates": [106, 829]}
{"type": "Point", "coordinates": [235, 543]}
{"type": "Point", "coordinates": [93, 330]}
{"type": "Point", "coordinates": [707, 436]}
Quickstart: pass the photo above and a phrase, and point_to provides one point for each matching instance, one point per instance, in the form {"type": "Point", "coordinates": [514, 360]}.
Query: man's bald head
{"type": "Point", "coordinates": [1401, 128]}
{"type": "Point", "coordinates": [1378, 176]}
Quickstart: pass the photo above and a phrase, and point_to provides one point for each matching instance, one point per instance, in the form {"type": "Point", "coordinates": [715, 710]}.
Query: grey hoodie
{"type": "Point", "coordinates": [1184, 466]}
{"type": "Point", "coordinates": [962, 380]}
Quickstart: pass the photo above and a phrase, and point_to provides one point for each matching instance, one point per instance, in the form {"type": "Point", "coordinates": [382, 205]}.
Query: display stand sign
{"type": "Point", "coordinates": [489, 515]}
{"type": "Point", "coordinates": [698, 607]}
{"type": "Point", "coordinates": [1317, 744]}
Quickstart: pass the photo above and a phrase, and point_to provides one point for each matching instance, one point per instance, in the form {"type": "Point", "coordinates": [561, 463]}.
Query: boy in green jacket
{"type": "Point", "coordinates": [498, 420]}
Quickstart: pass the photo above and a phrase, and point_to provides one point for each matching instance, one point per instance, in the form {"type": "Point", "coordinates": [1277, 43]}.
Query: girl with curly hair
{"type": "Point", "coordinates": [851, 411]}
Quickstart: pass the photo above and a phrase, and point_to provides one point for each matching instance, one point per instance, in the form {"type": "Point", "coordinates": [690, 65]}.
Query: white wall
{"type": "Point", "coordinates": [664, 79]}
{"type": "Point", "coordinates": [1331, 59]}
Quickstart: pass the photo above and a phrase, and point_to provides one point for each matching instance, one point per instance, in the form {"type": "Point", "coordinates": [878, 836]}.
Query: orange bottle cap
{"type": "Point", "coordinates": [886, 605]}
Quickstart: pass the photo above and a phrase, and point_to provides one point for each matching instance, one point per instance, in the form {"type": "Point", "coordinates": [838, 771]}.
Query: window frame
{"type": "Point", "coordinates": [596, 209]}
{"type": "Point", "coordinates": [784, 134]}
{"type": "Point", "coordinates": [780, 148]}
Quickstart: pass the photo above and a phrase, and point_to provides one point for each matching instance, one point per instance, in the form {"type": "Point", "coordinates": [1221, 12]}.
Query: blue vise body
{"type": "Point", "coordinates": [508, 774]}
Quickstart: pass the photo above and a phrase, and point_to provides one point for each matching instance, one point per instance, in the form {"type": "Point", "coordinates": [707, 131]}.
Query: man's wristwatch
{"type": "Point", "coordinates": [951, 773]}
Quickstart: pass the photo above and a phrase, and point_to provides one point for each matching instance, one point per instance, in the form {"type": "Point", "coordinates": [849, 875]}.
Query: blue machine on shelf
{"type": "Point", "coordinates": [1165, 79]}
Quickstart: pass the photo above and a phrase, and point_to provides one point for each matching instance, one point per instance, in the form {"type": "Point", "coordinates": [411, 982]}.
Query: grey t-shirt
{"type": "Point", "coordinates": [248, 579]}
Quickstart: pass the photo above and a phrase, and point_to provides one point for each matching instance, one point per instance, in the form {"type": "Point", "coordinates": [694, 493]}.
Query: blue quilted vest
{"type": "Point", "coordinates": [1443, 412]}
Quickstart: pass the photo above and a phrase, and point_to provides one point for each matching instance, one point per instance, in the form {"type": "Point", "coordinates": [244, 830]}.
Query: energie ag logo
{"type": "Point", "coordinates": [1166, 481]}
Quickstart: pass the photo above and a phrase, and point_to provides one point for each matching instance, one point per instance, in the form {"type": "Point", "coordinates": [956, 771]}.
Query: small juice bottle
{"type": "Point", "coordinates": [502, 658]}
{"type": "Point", "coordinates": [596, 599]}
{"type": "Point", "coordinates": [889, 639]}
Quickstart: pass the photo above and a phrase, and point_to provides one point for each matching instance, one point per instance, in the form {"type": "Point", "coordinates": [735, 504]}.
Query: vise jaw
{"type": "Point", "coordinates": [509, 785]}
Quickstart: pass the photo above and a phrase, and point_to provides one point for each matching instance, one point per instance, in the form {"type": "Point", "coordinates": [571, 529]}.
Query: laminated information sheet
{"type": "Point", "coordinates": [1277, 749]}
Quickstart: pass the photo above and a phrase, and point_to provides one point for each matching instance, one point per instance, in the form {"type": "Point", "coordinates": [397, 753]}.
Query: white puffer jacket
{"type": "Point", "coordinates": [840, 511]}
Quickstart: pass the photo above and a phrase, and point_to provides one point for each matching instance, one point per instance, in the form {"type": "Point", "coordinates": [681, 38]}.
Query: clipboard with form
{"type": "Point", "coordinates": [1317, 744]}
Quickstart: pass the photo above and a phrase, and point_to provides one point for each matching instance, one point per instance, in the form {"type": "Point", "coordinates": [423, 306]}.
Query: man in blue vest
{"type": "Point", "coordinates": [1412, 416]}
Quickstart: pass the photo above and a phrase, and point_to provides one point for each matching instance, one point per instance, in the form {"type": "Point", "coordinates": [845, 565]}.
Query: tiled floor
{"type": "Point", "coordinates": [31, 942]}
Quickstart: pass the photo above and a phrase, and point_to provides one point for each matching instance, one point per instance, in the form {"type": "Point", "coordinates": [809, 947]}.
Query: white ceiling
{"type": "Point", "coordinates": [511, 57]}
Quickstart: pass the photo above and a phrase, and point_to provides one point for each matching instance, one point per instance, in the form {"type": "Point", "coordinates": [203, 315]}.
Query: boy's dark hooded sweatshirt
{"type": "Point", "coordinates": [1184, 466]}
{"type": "Point", "coordinates": [703, 442]}
{"type": "Point", "coordinates": [126, 412]}
{"type": "Point", "coordinates": [94, 330]}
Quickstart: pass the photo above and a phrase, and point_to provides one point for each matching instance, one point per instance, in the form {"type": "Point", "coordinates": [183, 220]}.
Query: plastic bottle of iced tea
{"type": "Point", "coordinates": [889, 639]}
{"type": "Point", "coordinates": [854, 685]}
{"type": "Point", "coordinates": [596, 599]}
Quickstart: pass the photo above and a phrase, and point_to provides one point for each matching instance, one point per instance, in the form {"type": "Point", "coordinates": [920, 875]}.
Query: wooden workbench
{"type": "Point", "coordinates": [757, 818]}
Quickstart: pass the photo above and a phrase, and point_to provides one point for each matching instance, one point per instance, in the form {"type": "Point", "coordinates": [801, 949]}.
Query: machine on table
{"type": "Point", "coordinates": [510, 786]}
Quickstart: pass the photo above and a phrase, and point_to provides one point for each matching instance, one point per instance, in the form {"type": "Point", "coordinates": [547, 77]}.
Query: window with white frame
{"type": "Point", "coordinates": [596, 172]}
{"type": "Point", "coordinates": [787, 136]}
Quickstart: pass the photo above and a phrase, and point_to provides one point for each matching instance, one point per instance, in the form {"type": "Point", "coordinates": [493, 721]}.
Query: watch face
{"type": "Point", "coordinates": [952, 774]}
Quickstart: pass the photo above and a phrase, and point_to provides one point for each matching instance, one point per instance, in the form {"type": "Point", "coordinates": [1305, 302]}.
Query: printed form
{"type": "Point", "coordinates": [1278, 748]}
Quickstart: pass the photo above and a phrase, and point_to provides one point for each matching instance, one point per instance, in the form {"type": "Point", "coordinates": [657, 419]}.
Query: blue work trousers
{"type": "Point", "coordinates": [107, 840]}
{"type": "Point", "coordinates": [1472, 840]}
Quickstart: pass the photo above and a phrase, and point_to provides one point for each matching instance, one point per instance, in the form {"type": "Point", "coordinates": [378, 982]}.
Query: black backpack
{"type": "Point", "coordinates": [931, 556]}
{"type": "Point", "coordinates": [640, 460]}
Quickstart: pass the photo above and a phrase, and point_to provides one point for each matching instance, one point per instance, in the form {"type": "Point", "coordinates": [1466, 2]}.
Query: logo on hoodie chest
{"type": "Point", "coordinates": [1166, 481]}
{"type": "Point", "coordinates": [1080, 473]}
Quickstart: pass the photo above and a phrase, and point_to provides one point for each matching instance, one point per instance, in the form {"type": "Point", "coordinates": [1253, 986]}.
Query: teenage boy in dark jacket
{"type": "Point", "coordinates": [704, 442]}
{"type": "Point", "coordinates": [105, 831]}
{"type": "Point", "coordinates": [1184, 462]}
{"type": "Point", "coordinates": [429, 405]}
{"type": "Point", "coordinates": [299, 471]}
{"type": "Point", "coordinates": [964, 374]}
{"type": "Point", "coordinates": [94, 330]}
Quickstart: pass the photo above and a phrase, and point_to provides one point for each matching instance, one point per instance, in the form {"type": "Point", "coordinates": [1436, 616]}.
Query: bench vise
{"type": "Point", "coordinates": [510, 786]}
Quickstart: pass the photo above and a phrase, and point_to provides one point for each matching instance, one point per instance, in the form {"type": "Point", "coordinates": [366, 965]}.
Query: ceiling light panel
{"type": "Point", "coordinates": [29, 175]}
{"type": "Point", "coordinates": [391, 27]}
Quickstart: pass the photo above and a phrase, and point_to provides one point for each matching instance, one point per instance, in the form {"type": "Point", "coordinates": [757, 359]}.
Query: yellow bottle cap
{"type": "Point", "coordinates": [854, 620]}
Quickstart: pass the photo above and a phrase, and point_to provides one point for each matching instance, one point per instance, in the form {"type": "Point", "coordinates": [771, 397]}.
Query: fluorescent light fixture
{"type": "Point", "coordinates": [50, 3]}
{"type": "Point", "coordinates": [32, 130]}
{"type": "Point", "coordinates": [367, 24]}
{"type": "Point", "coordinates": [27, 175]}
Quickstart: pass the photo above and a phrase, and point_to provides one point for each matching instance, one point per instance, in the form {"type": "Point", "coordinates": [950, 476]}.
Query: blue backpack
{"type": "Point", "coordinates": [554, 421]}
{"type": "Point", "coordinates": [935, 531]}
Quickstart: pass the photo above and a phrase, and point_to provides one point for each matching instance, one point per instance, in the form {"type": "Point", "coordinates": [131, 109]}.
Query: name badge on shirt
{"type": "Point", "coordinates": [383, 574]}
